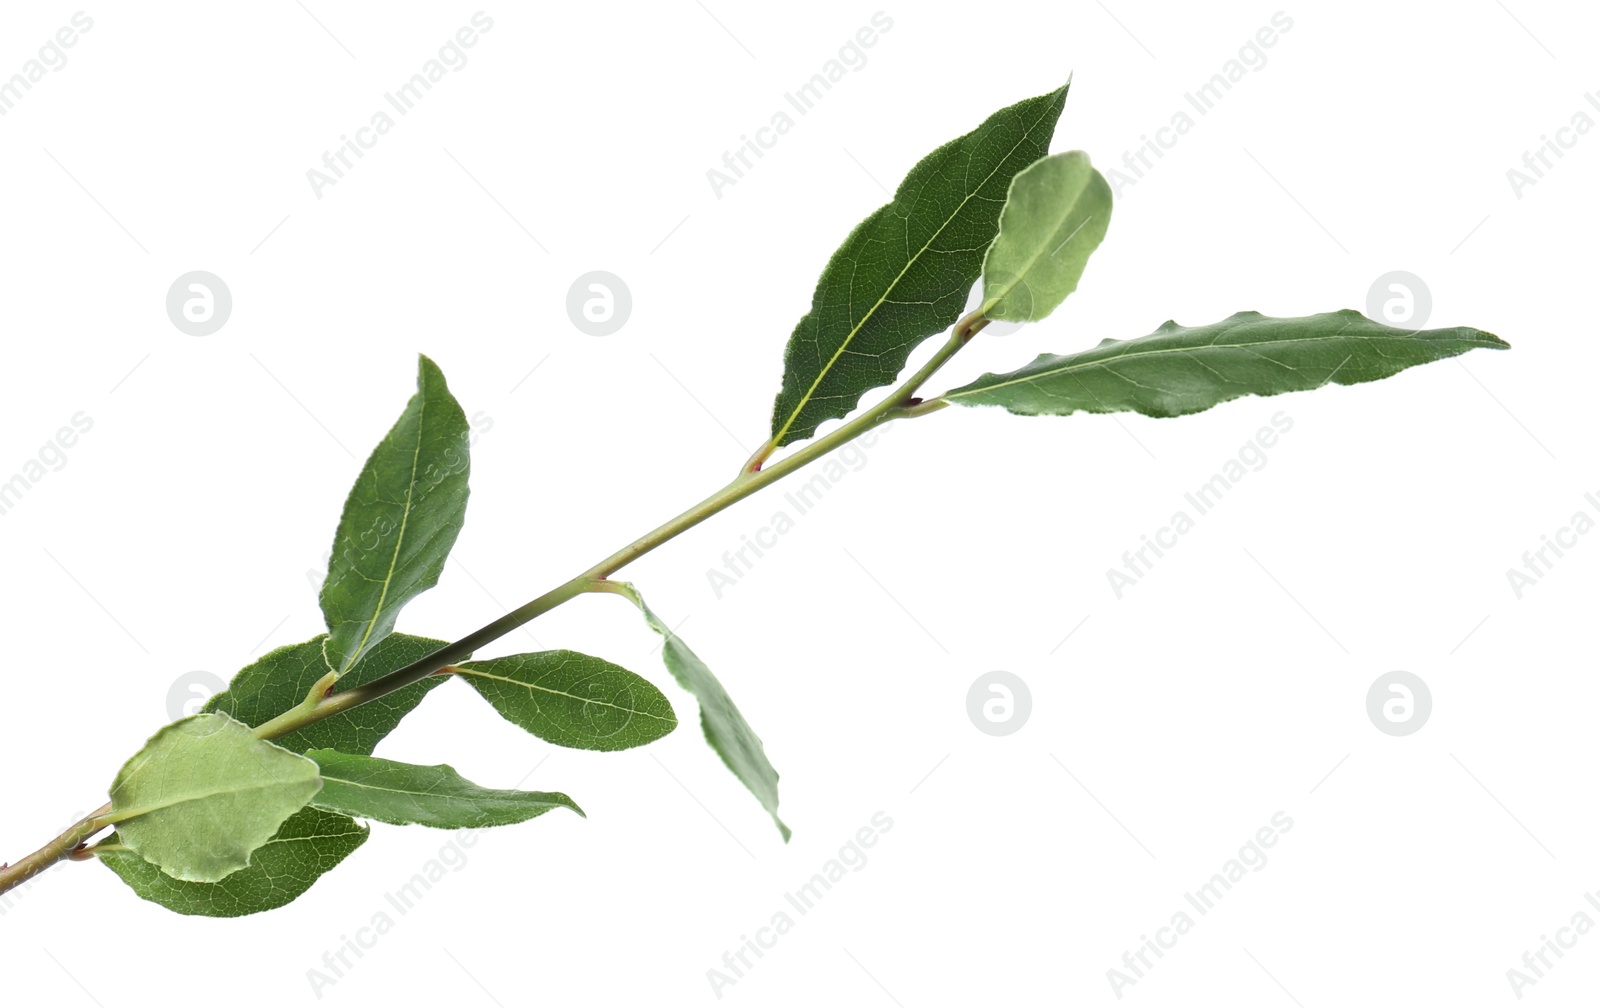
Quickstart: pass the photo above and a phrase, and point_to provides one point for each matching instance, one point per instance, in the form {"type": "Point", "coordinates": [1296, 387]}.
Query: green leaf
{"type": "Point", "coordinates": [1177, 369]}
{"type": "Point", "coordinates": [573, 699]}
{"type": "Point", "coordinates": [282, 678]}
{"type": "Point", "coordinates": [904, 273]}
{"type": "Point", "coordinates": [204, 793]}
{"type": "Point", "coordinates": [404, 794]}
{"type": "Point", "coordinates": [308, 844]}
{"type": "Point", "coordinates": [399, 522]}
{"type": "Point", "coordinates": [1055, 216]}
{"type": "Point", "coordinates": [725, 728]}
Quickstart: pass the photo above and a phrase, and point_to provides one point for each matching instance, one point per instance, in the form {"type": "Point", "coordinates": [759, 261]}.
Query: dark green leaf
{"type": "Point", "coordinates": [725, 728]}
{"type": "Point", "coordinates": [399, 522]}
{"type": "Point", "coordinates": [282, 678]}
{"type": "Point", "coordinates": [405, 794]}
{"type": "Point", "coordinates": [904, 273]}
{"type": "Point", "coordinates": [308, 844]}
{"type": "Point", "coordinates": [1178, 370]}
{"type": "Point", "coordinates": [204, 793]}
{"type": "Point", "coordinates": [573, 699]}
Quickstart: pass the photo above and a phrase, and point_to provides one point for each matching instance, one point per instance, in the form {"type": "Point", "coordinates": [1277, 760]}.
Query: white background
{"type": "Point", "coordinates": [1228, 685]}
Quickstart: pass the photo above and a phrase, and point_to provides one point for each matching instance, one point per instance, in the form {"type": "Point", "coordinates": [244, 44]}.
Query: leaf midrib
{"type": "Point", "coordinates": [386, 789]}
{"type": "Point", "coordinates": [556, 692]}
{"type": "Point", "coordinates": [399, 540]}
{"type": "Point", "coordinates": [1082, 365]}
{"type": "Point", "coordinates": [122, 815]}
{"type": "Point", "coordinates": [298, 839]}
{"type": "Point", "coordinates": [483, 795]}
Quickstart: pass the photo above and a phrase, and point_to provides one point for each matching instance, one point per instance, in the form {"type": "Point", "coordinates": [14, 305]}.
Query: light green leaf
{"type": "Point", "coordinates": [405, 794]}
{"type": "Point", "coordinates": [725, 728]}
{"type": "Point", "coordinates": [904, 273]}
{"type": "Point", "coordinates": [1055, 216]}
{"type": "Point", "coordinates": [1178, 370]}
{"type": "Point", "coordinates": [281, 679]}
{"type": "Point", "coordinates": [573, 699]}
{"type": "Point", "coordinates": [204, 793]}
{"type": "Point", "coordinates": [399, 522]}
{"type": "Point", "coordinates": [308, 844]}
